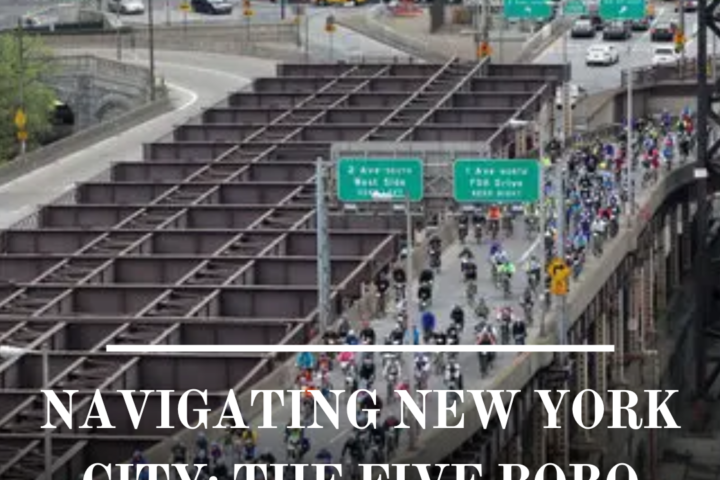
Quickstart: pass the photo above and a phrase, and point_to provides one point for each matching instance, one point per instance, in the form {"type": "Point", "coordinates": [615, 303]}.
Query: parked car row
{"type": "Point", "coordinates": [137, 7]}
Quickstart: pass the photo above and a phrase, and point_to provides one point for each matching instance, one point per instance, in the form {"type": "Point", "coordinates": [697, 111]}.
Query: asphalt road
{"type": "Point", "coordinates": [197, 80]}
{"type": "Point", "coordinates": [634, 53]}
{"type": "Point", "coordinates": [448, 292]}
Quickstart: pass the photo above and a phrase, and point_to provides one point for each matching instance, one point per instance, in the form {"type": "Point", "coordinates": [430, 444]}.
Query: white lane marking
{"type": "Point", "coordinates": [193, 96]}
{"type": "Point", "coordinates": [531, 249]}
{"type": "Point", "coordinates": [29, 176]}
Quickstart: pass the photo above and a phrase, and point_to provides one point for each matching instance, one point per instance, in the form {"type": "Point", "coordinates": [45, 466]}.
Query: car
{"type": "Point", "coordinates": [126, 7]}
{"type": "Point", "coordinates": [576, 93]}
{"type": "Point", "coordinates": [642, 25]}
{"type": "Point", "coordinates": [595, 19]}
{"type": "Point", "coordinates": [617, 31]}
{"type": "Point", "coordinates": [212, 7]}
{"type": "Point", "coordinates": [663, 32]}
{"type": "Point", "coordinates": [690, 6]}
{"type": "Point", "coordinates": [602, 54]}
{"type": "Point", "coordinates": [583, 28]}
{"type": "Point", "coordinates": [665, 56]}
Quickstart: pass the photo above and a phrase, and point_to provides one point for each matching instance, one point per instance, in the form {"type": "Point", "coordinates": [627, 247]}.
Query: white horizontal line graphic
{"type": "Point", "coordinates": [360, 348]}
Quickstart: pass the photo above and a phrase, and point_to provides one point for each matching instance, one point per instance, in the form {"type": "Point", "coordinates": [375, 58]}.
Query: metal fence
{"type": "Point", "coordinates": [685, 70]}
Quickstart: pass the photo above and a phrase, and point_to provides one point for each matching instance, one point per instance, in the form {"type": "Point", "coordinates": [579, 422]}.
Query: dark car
{"type": "Point", "coordinates": [617, 31]}
{"type": "Point", "coordinates": [642, 25]}
{"type": "Point", "coordinates": [582, 28]}
{"type": "Point", "coordinates": [212, 7]}
{"type": "Point", "coordinates": [663, 32]}
{"type": "Point", "coordinates": [595, 19]}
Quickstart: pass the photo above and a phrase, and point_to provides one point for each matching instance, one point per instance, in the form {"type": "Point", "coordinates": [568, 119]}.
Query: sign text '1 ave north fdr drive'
{"type": "Point", "coordinates": [496, 180]}
{"type": "Point", "coordinates": [378, 179]}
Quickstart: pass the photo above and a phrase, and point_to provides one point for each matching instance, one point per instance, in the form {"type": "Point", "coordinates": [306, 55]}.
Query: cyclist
{"type": "Point", "coordinates": [457, 315]}
{"type": "Point", "coordinates": [428, 325]}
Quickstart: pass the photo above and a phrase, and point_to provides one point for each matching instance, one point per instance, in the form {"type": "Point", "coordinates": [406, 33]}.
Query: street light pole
{"type": "Point", "coordinates": [566, 104]}
{"type": "Point", "coordinates": [630, 149]}
{"type": "Point", "coordinates": [408, 295]}
{"type": "Point", "coordinates": [543, 217]}
{"type": "Point", "coordinates": [323, 248]}
{"type": "Point", "coordinates": [21, 80]}
{"type": "Point", "coordinates": [151, 47]}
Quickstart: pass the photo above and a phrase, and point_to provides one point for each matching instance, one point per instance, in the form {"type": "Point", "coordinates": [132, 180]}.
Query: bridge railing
{"type": "Point", "coordinates": [686, 69]}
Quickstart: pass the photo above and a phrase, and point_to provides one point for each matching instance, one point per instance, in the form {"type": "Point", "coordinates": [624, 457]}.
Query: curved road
{"type": "Point", "coordinates": [196, 81]}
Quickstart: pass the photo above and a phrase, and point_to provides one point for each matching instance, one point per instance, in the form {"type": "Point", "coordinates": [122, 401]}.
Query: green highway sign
{"type": "Point", "coordinates": [496, 180]}
{"type": "Point", "coordinates": [623, 9]}
{"type": "Point", "coordinates": [528, 9]}
{"type": "Point", "coordinates": [575, 7]}
{"type": "Point", "coordinates": [379, 179]}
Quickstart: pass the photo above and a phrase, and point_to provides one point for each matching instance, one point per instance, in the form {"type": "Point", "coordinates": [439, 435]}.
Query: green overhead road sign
{"type": "Point", "coordinates": [531, 9]}
{"type": "Point", "coordinates": [379, 179]}
{"type": "Point", "coordinates": [496, 180]}
{"type": "Point", "coordinates": [575, 7]}
{"type": "Point", "coordinates": [623, 9]}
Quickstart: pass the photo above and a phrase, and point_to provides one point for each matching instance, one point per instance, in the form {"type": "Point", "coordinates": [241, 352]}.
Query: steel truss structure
{"type": "Point", "coordinates": [211, 240]}
{"type": "Point", "coordinates": [707, 331]}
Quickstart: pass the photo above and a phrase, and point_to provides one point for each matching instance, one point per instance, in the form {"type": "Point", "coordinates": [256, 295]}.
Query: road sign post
{"type": "Point", "coordinates": [623, 9]}
{"type": "Point", "coordinates": [330, 28]}
{"type": "Point", "coordinates": [559, 287]}
{"type": "Point", "coordinates": [21, 125]}
{"type": "Point", "coordinates": [370, 179]}
{"type": "Point", "coordinates": [527, 9]}
{"type": "Point", "coordinates": [496, 180]}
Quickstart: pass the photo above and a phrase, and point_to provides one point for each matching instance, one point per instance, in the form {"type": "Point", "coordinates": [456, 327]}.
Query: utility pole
{"type": "Point", "coordinates": [323, 247]}
{"type": "Point", "coordinates": [21, 86]}
{"type": "Point", "coordinates": [681, 23]}
{"type": "Point", "coordinates": [566, 102]}
{"type": "Point", "coordinates": [413, 434]}
{"type": "Point", "coordinates": [118, 35]}
{"type": "Point", "coordinates": [483, 40]}
{"type": "Point", "coordinates": [543, 217]}
{"type": "Point", "coordinates": [151, 46]}
{"type": "Point", "coordinates": [630, 154]}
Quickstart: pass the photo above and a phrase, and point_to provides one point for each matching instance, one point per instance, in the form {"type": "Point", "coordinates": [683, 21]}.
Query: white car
{"type": "Point", "coordinates": [602, 55]}
{"type": "Point", "coordinates": [576, 93]}
{"type": "Point", "coordinates": [665, 56]}
{"type": "Point", "coordinates": [126, 7]}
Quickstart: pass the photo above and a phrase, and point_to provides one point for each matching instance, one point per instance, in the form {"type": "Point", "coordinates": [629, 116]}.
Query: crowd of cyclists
{"type": "Point", "coordinates": [595, 195]}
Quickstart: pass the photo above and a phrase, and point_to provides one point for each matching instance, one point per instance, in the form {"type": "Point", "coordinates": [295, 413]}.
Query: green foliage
{"type": "Point", "coordinates": [30, 65]}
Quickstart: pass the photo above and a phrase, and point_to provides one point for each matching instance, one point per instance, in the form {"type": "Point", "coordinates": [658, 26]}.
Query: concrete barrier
{"type": "Point", "coordinates": [74, 143]}
{"type": "Point", "coordinates": [227, 39]}
{"type": "Point", "coordinates": [368, 26]}
{"type": "Point", "coordinates": [543, 39]}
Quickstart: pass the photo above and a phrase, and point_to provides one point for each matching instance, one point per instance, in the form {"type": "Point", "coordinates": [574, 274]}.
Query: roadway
{"type": "Point", "coordinates": [634, 53]}
{"type": "Point", "coordinates": [196, 80]}
{"type": "Point", "coordinates": [448, 291]}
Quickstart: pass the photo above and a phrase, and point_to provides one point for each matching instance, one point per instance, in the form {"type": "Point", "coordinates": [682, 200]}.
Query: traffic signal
{"type": "Point", "coordinates": [330, 24]}
{"type": "Point", "coordinates": [679, 41]}
{"type": "Point", "coordinates": [484, 50]}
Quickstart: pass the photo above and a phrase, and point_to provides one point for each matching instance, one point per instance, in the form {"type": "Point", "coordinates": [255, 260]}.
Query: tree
{"type": "Point", "coordinates": [24, 61]}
